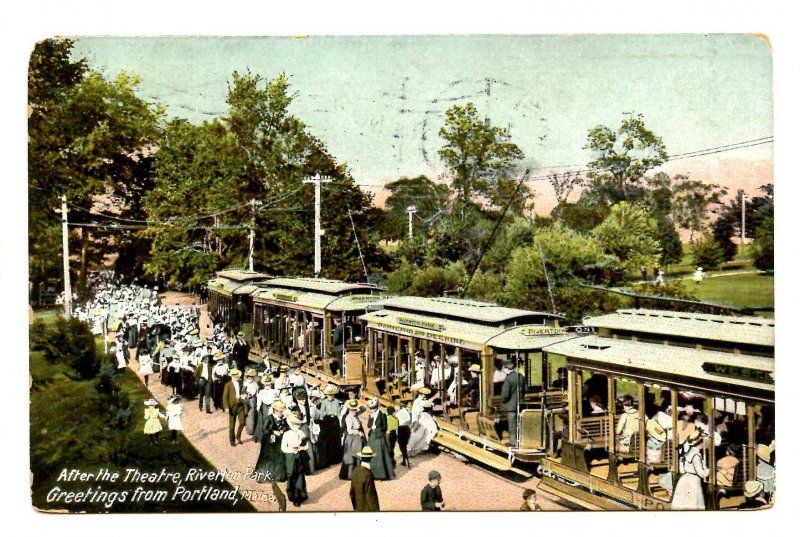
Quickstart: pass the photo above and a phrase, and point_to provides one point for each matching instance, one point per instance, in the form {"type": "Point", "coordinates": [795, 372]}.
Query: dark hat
{"type": "Point", "coordinates": [528, 493]}
{"type": "Point", "coordinates": [508, 363]}
{"type": "Point", "coordinates": [433, 474]}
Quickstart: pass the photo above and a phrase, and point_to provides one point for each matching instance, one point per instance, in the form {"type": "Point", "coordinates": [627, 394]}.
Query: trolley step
{"type": "Point", "coordinates": [468, 449]}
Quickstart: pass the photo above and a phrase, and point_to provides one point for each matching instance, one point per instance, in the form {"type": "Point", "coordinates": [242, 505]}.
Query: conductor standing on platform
{"type": "Point", "coordinates": [513, 387]}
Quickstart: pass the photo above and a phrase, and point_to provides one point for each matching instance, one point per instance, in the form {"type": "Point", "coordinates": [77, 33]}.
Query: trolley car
{"type": "Point", "coordinates": [457, 348]}
{"type": "Point", "coordinates": [314, 322]}
{"type": "Point", "coordinates": [230, 301]}
{"type": "Point", "coordinates": [684, 372]}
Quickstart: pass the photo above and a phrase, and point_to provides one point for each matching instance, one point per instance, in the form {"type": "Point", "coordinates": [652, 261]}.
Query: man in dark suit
{"type": "Point", "coordinates": [513, 389]}
{"type": "Point", "coordinates": [202, 375]}
{"type": "Point", "coordinates": [363, 494]}
{"type": "Point", "coordinates": [232, 402]}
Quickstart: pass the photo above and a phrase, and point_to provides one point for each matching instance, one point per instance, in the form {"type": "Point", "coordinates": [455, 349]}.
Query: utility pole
{"type": "Point", "coordinates": [744, 200]}
{"type": "Point", "coordinates": [318, 231]}
{"type": "Point", "coordinates": [65, 249]}
{"type": "Point", "coordinates": [411, 210]}
{"type": "Point", "coordinates": [252, 233]}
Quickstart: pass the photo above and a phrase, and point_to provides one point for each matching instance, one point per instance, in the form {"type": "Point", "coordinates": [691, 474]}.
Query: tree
{"type": "Point", "coordinates": [620, 158]}
{"type": "Point", "coordinates": [430, 199]}
{"type": "Point", "coordinates": [764, 240]}
{"type": "Point", "coordinates": [86, 134]}
{"type": "Point", "coordinates": [729, 220]}
{"type": "Point", "coordinates": [707, 253]}
{"type": "Point", "coordinates": [259, 151]}
{"type": "Point", "coordinates": [628, 233]}
{"type": "Point", "coordinates": [692, 202]}
{"type": "Point", "coordinates": [565, 183]}
{"type": "Point", "coordinates": [480, 156]}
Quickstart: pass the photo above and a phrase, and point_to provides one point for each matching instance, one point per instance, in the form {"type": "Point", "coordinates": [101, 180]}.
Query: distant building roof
{"type": "Point", "coordinates": [735, 330]}
{"type": "Point", "coordinates": [485, 312]}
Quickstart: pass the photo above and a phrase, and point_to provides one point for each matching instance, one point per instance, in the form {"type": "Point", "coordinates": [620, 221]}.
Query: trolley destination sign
{"type": "Point", "coordinates": [739, 372]}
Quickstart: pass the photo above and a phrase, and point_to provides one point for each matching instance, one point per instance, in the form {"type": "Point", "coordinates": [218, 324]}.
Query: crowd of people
{"type": "Point", "coordinates": [302, 429]}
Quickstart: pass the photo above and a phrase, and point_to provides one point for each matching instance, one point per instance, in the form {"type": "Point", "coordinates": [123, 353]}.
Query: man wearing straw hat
{"type": "Point", "coordinates": [754, 496]}
{"type": "Point", "coordinates": [363, 494]}
{"type": "Point", "coordinates": [232, 402]}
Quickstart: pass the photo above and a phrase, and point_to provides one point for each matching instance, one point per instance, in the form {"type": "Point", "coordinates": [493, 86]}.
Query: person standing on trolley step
{"type": "Point", "coordinates": [510, 396]}
{"type": "Point", "coordinates": [688, 493]}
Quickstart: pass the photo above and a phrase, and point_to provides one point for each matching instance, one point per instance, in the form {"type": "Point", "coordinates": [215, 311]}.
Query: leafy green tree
{"type": "Point", "coordinates": [438, 281]}
{"type": "Point", "coordinates": [764, 240]}
{"type": "Point", "coordinates": [621, 157]}
{"type": "Point", "coordinates": [692, 202]}
{"type": "Point", "coordinates": [430, 199]}
{"type": "Point", "coordinates": [707, 253]}
{"type": "Point", "coordinates": [87, 135]}
{"type": "Point", "coordinates": [729, 219]}
{"type": "Point", "coordinates": [481, 157]}
{"type": "Point", "coordinates": [628, 233]}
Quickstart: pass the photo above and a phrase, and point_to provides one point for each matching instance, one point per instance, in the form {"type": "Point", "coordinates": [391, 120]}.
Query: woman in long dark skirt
{"type": "Point", "coordinates": [271, 463]}
{"type": "Point", "coordinates": [353, 440]}
{"type": "Point", "coordinates": [329, 444]}
{"type": "Point", "coordinates": [295, 448]}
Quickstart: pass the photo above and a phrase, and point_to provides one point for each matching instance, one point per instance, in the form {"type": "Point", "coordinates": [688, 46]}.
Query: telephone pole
{"type": "Point", "coordinates": [411, 210]}
{"type": "Point", "coordinates": [744, 200]}
{"type": "Point", "coordinates": [318, 231]}
{"type": "Point", "coordinates": [65, 249]}
{"type": "Point", "coordinates": [252, 233]}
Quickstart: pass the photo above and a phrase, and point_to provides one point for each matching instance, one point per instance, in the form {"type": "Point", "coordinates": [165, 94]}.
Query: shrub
{"type": "Point", "coordinates": [707, 253]}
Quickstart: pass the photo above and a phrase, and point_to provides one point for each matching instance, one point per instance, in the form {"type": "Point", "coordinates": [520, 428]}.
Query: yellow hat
{"type": "Point", "coordinates": [352, 404]}
{"type": "Point", "coordinates": [235, 372]}
{"type": "Point", "coordinates": [475, 368]}
{"type": "Point", "coordinates": [250, 373]}
{"type": "Point", "coordinates": [753, 488]}
{"type": "Point", "coordinates": [695, 437]}
{"type": "Point", "coordinates": [330, 389]}
{"type": "Point", "coordinates": [655, 430]}
{"type": "Point", "coordinates": [278, 405]}
{"type": "Point", "coordinates": [424, 391]}
{"type": "Point", "coordinates": [365, 453]}
{"type": "Point", "coordinates": [763, 452]}
{"type": "Point", "coordinates": [266, 378]}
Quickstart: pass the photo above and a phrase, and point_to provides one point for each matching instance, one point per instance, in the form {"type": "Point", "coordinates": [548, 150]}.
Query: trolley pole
{"type": "Point", "coordinates": [411, 210]}
{"type": "Point", "coordinates": [744, 200]}
{"type": "Point", "coordinates": [317, 180]}
{"type": "Point", "coordinates": [65, 249]}
{"type": "Point", "coordinates": [252, 233]}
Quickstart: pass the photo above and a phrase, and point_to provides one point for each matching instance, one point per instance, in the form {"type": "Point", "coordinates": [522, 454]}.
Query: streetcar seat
{"type": "Point", "coordinates": [470, 421]}
{"type": "Point", "coordinates": [487, 427]}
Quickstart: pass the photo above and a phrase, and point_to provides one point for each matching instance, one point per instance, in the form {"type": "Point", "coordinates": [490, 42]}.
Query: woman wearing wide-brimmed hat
{"type": "Point", "coordinates": [353, 440]}
{"type": "Point", "coordinates": [688, 493]}
{"type": "Point", "coordinates": [294, 445]}
{"type": "Point", "coordinates": [271, 464]}
{"type": "Point", "coordinates": [329, 444]}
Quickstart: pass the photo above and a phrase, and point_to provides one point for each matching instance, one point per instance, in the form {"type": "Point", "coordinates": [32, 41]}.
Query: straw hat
{"type": "Point", "coordinates": [654, 429]}
{"type": "Point", "coordinates": [250, 372]}
{"type": "Point", "coordinates": [352, 404]}
{"type": "Point", "coordinates": [424, 391]}
{"type": "Point", "coordinates": [330, 389]}
{"type": "Point", "coordinates": [151, 402]}
{"type": "Point", "coordinates": [284, 368]}
{"type": "Point", "coordinates": [316, 394]}
{"type": "Point", "coordinates": [365, 453]}
{"type": "Point", "coordinates": [475, 368]}
{"type": "Point", "coordinates": [695, 437]}
{"type": "Point", "coordinates": [763, 452]}
{"type": "Point", "coordinates": [293, 421]}
{"type": "Point", "coordinates": [266, 378]}
{"type": "Point", "coordinates": [278, 405]}
{"type": "Point", "coordinates": [753, 489]}
{"type": "Point", "coordinates": [235, 372]}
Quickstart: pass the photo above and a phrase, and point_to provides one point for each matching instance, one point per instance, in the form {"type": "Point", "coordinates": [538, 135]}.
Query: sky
{"type": "Point", "coordinates": [378, 102]}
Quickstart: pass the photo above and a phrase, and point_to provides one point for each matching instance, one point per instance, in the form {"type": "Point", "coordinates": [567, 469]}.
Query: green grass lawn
{"type": "Point", "coordinates": [748, 290]}
{"type": "Point", "coordinates": [69, 430]}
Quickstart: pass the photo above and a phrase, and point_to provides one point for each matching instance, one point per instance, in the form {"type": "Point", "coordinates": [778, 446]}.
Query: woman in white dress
{"type": "Point", "coordinates": [688, 493]}
{"type": "Point", "coordinates": [423, 426]}
{"type": "Point", "coordinates": [145, 366]}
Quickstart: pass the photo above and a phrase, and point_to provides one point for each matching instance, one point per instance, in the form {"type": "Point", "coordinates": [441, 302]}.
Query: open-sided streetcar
{"type": "Point", "coordinates": [230, 299]}
{"type": "Point", "coordinates": [648, 384]}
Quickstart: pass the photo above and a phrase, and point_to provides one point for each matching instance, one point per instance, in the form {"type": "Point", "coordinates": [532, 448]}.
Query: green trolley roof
{"type": "Point", "coordinates": [734, 330]}
{"type": "Point", "coordinates": [470, 310]}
